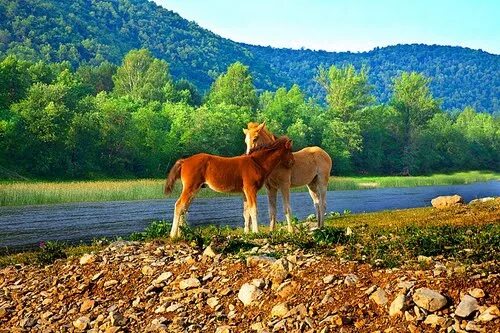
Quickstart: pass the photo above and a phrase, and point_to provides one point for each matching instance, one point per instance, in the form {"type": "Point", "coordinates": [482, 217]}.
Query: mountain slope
{"type": "Point", "coordinates": [82, 31]}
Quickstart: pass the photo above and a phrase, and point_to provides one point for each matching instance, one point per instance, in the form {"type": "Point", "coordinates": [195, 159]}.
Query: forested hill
{"type": "Point", "coordinates": [83, 31]}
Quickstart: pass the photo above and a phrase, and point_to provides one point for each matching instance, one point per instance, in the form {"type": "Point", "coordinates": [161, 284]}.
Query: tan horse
{"type": "Point", "coordinates": [245, 173]}
{"type": "Point", "coordinates": [312, 168]}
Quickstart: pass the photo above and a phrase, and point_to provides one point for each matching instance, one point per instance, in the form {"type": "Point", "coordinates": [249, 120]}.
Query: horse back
{"type": "Point", "coordinates": [221, 174]}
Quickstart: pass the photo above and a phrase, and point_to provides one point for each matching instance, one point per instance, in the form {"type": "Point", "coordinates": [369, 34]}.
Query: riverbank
{"type": "Point", "coordinates": [20, 193]}
{"type": "Point", "coordinates": [364, 272]}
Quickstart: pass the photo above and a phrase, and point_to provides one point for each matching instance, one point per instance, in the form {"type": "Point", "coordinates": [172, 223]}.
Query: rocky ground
{"type": "Point", "coordinates": [164, 287]}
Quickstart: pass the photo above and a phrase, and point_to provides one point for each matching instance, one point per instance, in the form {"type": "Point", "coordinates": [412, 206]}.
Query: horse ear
{"type": "Point", "coordinates": [261, 126]}
{"type": "Point", "coordinates": [289, 144]}
{"type": "Point", "coordinates": [245, 131]}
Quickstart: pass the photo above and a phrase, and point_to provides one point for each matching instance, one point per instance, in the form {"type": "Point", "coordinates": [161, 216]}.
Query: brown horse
{"type": "Point", "coordinates": [245, 173]}
{"type": "Point", "coordinates": [312, 168]}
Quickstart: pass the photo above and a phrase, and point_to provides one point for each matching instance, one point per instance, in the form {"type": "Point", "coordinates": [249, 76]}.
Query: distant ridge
{"type": "Point", "coordinates": [81, 31]}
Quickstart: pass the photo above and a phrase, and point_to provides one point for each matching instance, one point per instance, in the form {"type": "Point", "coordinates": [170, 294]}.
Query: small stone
{"type": "Point", "coordinates": [259, 283]}
{"type": "Point", "coordinates": [489, 314]}
{"type": "Point", "coordinates": [223, 329]}
{"type": "Point", "coordinates": [473, 327]}
{"type": "Point", "coordinates": [467, 306]}
{"type": "Point", "coordinates": [173, 307]}
{"type": "Point", "coordinates": [209, 252]}
{"type": "Point", "coordinates": [477, 293]}
{"type": "Point", "coordinates": [409, 316]}
{"type": "Point", "coordinates": [110, 283]}
{"type": "Point", "coordinates": [248, 293]}
{"type": "Point", "coordinates": [429, 299]}
{"type": "Point", "coordinates": [370, 290]}
{"type": "Point", "coordinates": [279, 310]}
{"type": "Point", "coordinates": [189, 283]}
{"type": "Point", "coordinates": [147, 270]}
{"type": "Point", "coordinates": [351, 279]}
{"type": "Point", "coordinates": [397, 305]}
{"type": "Point", "coordinates": [278, 272]}
{"type": "Point", "coordinates": [213, 302]}
{"type": "Point", "coordinates": [328, 279]}
{"type": "Point", "coordinates": [379, 297]}
{"type": "Point", "coordinates": [258, 326]}
{"type": "Point", "coordinates": [434, 320]}
{"type": "Point", "coordinates": [163, 277]}
{"type": "Point", "coordinates": [87, 305]}
{"type": "Point", "coordinates": [117, 319]}
{"type": "Point", "coordinates": [81, 323]}
{"type": "Point", "coordinates": [87, 259]}
{"type": "Point", "coordinates": [253, 261]}
{"type": "Point", "coordinates": [486, 199]}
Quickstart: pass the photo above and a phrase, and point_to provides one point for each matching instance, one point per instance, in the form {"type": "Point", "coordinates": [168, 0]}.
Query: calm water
{"type": "Point", "coordinates": [22, 227]}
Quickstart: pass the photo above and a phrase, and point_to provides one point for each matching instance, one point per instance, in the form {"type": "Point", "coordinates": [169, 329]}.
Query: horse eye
{"type": "Point", "coordinates": [255, 139]}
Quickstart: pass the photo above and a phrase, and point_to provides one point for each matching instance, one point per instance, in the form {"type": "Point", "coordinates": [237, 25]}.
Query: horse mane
{"type": "Point", "coordinates": [253, 124]}
{"type": "Point", "coordinates": [270, 146]}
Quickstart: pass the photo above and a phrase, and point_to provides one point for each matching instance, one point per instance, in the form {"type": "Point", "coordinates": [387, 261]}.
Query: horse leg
{"type": "Point", "coordinates": [272, 194]}
{"type": "Point", "coordinates": [315, 196]}
{"type": "Point", "coordinates": [285, 192]}
{"type": "Point", "coordinates": [323, 190]}
{"type": "Point", "coordinates": [246, 215]}
{"type": "Point", "coordinates": [251, 194]}
{"type": "Point", "coordinates": [181, 207]}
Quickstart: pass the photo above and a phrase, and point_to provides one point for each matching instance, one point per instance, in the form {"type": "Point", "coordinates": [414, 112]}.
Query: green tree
{"type": "Point", "coordinates": [14, 81]}
{"type": "Point", "coordinates": [235, 87]}
{"type": "Point", "coordinates": [413, 100]}
{"type": "Point", "coordinates": [282, 108]}
{"type": "Point", "coordinates": [97, 78]}
{"type": "Point", "coordinates": [379, 126]}
{"type": "Point", "coordinates": [481, 132]}
{"type": "Point", "coordinates": [142, 77]}
{"type": "Point", "coordinates": [346, 90]}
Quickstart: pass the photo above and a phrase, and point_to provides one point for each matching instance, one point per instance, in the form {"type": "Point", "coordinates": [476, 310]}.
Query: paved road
{"type": "Point", "coordinates": [26, 226]}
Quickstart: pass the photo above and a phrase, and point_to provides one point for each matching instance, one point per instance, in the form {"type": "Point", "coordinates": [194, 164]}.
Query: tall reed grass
{"type": "Point", "coordinates": [21, 193]}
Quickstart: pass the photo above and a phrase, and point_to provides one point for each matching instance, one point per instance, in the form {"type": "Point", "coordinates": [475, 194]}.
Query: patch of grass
{"type": "Point", "coordinates": [157, 229]}
{"type": "Point", "coordinates": [19, 193]}
{"type": "Point", "coordinates": [55, 250]}
{"type": "Point", "coordinates": [50, 252]}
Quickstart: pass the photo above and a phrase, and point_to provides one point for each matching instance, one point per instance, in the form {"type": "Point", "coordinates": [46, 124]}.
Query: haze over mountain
{"type": "Point", "coordinates": [90, 32]}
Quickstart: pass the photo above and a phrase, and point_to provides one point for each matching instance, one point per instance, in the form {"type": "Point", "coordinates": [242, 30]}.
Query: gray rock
{"type": "Point", "coordinates": [429, 300]}
{"type": "Point", "coordinates": [81, 323]}
{"type": "Point", "coordinates": [189, 283]}
{"type": "Point", "coordinates": [489, 314]}
{"type": "Point", "coordinates": [379, 297]}
{"type": "Point", "coordinates": [477, 293]}
{"type": "Point", "coordinates": [351, 279]}
{"type": "Point", "coordinates": [467, 306]}
{"type": "Point", "coordinates": [447, 201]}
{"type": "Point", "coordinates": [279, 310]}
{"type": "Point", "coordinates": [397, 305]}
{"type": "Point", "coordinates": [486, 199]}
{"type": "Point", "coordinates": [248, 293]}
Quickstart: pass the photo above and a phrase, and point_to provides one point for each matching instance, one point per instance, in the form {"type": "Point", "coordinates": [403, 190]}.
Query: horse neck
{"type": "Point", "coordinates": [267, 160]}
{"type": "Point", "coordinates": [268, 137]}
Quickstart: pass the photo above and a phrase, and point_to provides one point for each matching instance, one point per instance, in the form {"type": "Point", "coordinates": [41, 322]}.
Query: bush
{"type": "Point", "coordinates": [50, 252]}
{"type": "Point", "coordinates": [156, 229]}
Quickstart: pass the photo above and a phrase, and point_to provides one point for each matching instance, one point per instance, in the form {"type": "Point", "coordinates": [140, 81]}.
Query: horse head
{"type": "Point", "coordinates": [257, 135]}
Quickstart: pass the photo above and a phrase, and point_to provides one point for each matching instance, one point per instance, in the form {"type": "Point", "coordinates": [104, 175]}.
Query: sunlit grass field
{"type": "Point", "coordinates": [21, 193]}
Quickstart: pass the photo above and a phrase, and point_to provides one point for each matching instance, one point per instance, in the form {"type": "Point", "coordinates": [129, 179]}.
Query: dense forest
{"type": "Point", "coordinates": [93, 33]}
{"type": "Point", "coordinates": [135, 120]}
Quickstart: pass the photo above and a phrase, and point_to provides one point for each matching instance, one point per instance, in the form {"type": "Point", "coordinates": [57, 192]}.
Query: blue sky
{"type": "Point", "coordinates": [355, 25]}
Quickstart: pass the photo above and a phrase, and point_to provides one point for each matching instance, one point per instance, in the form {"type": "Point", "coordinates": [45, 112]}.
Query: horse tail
{"type": "Point", "coordinates": [173, 175]}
